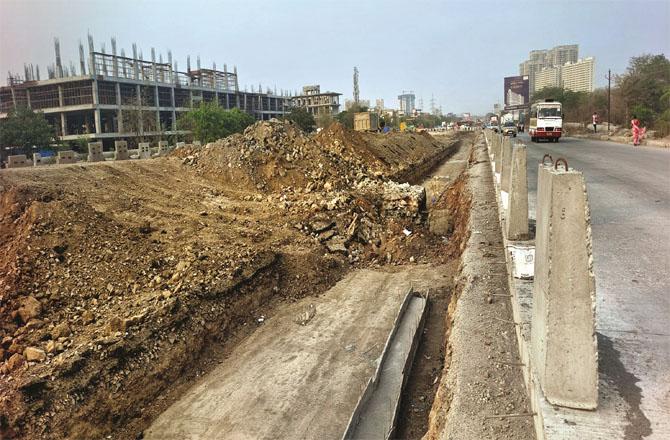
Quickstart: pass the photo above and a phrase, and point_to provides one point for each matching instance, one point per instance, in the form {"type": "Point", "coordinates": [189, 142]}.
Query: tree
{"type": "Point", "coordinates": [24, 129]}
{"type": "Point", "coordinates": [324, 119]}
{"type": "Point", "coordinates": [645, 82]}
{"type": "Point", "coordinates": [302, 118]}
{"type": "Point", "coordinates": [209, 122]}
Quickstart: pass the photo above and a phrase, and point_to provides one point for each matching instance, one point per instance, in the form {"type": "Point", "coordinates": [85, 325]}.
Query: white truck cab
{"type": "Point", "coordinates": [546, 121]}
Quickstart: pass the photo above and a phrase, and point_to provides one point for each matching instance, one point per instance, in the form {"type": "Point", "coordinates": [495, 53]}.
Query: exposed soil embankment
{"type": "Point", "coordinates": [118, 280]}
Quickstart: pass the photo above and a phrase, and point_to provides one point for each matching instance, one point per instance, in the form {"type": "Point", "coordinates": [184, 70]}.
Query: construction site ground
{"type": "Point", "coordinates": [126, 286]}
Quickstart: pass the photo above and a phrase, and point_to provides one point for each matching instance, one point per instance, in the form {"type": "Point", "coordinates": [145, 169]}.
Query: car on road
{"type": "Point", "coordinates": [509, 129]}
{"type": "Point", "coordinates": [493, 127]}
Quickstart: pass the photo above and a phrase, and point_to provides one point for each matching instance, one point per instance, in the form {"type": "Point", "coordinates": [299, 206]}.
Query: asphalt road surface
{"type": "Point", "coordinates": [629, 197]}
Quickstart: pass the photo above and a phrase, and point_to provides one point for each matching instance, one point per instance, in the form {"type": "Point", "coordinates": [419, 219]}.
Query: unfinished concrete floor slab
{"type": "Point", "coordinates": [290, 380]}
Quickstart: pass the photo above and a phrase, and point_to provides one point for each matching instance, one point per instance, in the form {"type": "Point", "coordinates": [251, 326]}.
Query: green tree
{"type": "Point", "coordinates": [209, 122]}
{"type": "Point", "coordinates": [302, 118]}
{"type": "Point", "coordinates": [324, 119]}
{"type": "Point", "coordinates": [24, 128]}
{"type": "Point", "coordinates": [645, 83]}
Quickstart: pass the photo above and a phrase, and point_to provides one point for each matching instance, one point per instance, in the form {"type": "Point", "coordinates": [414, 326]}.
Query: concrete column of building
{"type": "Point", "coordinates": [564, 351]}
{"type": "Point", "coordinates": [174, 112]}
{"type": "Point", "coordinates": [119, 112]}
{"type": "Point", "coordinates": [63, 118]}
{"type": "Point", "coordinates": [96, 103]}
{"type": "Point", "coordinates": [63, 124]}
{"type": "Point", "coordinates": [28, 98]}
{"type": "Point", "coordinates": [516, 218]}
{"type": "Point", "coordinates": [140, 116]}
{"type": "Point", "coordinates": [227, 100]}
{"type": "Point", "coordinates": [158, 112]}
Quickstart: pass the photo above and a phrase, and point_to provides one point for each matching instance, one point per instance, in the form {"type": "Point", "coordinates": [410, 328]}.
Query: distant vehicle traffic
{"type": "Point", "coordinates": [546, 121]}
{"type": "Point", "coordinates": [509, 129]}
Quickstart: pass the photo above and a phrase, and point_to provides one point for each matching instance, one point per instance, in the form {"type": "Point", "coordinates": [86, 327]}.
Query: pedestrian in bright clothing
{"type": "Point", "coordinates": [638, 132]}
{"type": "Point", "coordinates": [595, 120]}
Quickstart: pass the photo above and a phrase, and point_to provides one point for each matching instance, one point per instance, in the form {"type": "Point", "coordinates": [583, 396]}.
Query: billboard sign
{"type": "Point", "coordinates": [516, 92]}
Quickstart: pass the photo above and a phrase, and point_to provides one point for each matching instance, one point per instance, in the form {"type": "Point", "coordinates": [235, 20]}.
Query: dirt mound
{"type": "Point", "coordinates": [390, 155]}
{"type": "Point", "coordinates": [115, 276]}
{"type": "Point", "coordinates": [270, 156]}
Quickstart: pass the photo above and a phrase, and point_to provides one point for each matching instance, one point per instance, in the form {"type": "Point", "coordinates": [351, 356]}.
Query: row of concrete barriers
{"type": "Point", "coordinates": [560, 355]}
{"type": "Point", "coordinates": [95, 154]}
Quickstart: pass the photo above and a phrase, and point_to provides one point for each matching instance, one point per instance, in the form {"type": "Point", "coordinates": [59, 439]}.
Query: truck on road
{"type": "Point", "coordinates": [546, 121]}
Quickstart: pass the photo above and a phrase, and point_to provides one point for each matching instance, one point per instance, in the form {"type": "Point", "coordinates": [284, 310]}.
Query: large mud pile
{"type": "Point", "coordinates": [116, 277]}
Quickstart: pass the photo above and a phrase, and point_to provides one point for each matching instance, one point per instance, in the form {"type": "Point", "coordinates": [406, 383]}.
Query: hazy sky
{"type": "Point", "coordinates": [458, 51]}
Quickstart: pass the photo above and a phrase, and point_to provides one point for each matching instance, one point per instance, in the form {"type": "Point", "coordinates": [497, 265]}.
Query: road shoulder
{"type": "Point", "coordinates": [483, 385]}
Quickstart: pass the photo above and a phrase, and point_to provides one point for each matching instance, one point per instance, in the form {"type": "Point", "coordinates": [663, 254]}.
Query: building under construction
{"type": "Point", "coordinates": [114, 97]}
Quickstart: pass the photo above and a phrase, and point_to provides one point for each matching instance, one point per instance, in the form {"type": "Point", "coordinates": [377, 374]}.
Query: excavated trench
{"type": "Point", "coordinates": [121, 392]}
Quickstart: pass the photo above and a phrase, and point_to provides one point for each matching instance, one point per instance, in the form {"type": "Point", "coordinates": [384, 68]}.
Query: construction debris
{"type": "Point", "coordinates": [113, 278]}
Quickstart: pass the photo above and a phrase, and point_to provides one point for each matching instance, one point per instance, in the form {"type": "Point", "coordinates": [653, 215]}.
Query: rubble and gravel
{"type": "Point", "coordinates": [116, 277]}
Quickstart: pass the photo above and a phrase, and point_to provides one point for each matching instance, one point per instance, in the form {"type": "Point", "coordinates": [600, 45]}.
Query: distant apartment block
{"type": "Point", "coordinates": [544, 67]}
{"type": "Point", "coordinates": [578, 76]}
{"type": "Point", "coordinates": [548, 77]}
{"type": "Point", "coordinates": [115, 97]}
{"type": "Point", "coordinates": [317, 102]}
{"type": "Point", "coordinates": [407, 103]}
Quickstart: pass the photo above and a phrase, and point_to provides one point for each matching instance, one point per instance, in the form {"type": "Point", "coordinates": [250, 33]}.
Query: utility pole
{"type": "Point", "coordinates": [609, 98]}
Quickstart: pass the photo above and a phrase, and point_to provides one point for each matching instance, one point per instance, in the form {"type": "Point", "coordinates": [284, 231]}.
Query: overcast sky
{"type": "Point", "coordinates": [458, 51]}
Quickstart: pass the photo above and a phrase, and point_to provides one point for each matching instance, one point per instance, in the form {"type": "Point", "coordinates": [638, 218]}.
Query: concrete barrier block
{"type": "Point", "coordinates": [121, 150]}
{"type": "Point", "coordinates": [95, 152]}
{"type": "Point", "coordinates": [563, 340]}
{"type": "Point", "coordinates": [516, 218]}
{"type": "Point", "coordinates": [162, 148]}
{"type": "Point", "coordinates": [37, 159]}
{"type": "Point", "coordinates": [497, 156]}
{"type": "Point", "coordinates": [506, 165]}
{"type": "Point", "coordinates": [180, 144]}
{"type": "Point", "coordinates": [197, 143]}
{"type": "Point", "coordinates": [145, 150]}
{"type": "Point", "coordinates": [18, 161]}
{"type": "Point", "coordinates": [67, 156]}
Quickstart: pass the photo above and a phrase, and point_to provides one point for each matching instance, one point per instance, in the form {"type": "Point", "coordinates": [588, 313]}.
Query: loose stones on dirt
{"type": "Point", "coordinates": [34, 354]}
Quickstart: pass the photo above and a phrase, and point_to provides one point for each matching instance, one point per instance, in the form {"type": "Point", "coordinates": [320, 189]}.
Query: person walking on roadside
{"type": "Point", "coordinates": [638, 132]}
{"type": "Point", "coordinates": [594, 118]}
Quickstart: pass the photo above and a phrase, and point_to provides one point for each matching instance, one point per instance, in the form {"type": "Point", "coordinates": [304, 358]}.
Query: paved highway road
{"type": "Point", "coordinates": [629, 196]}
